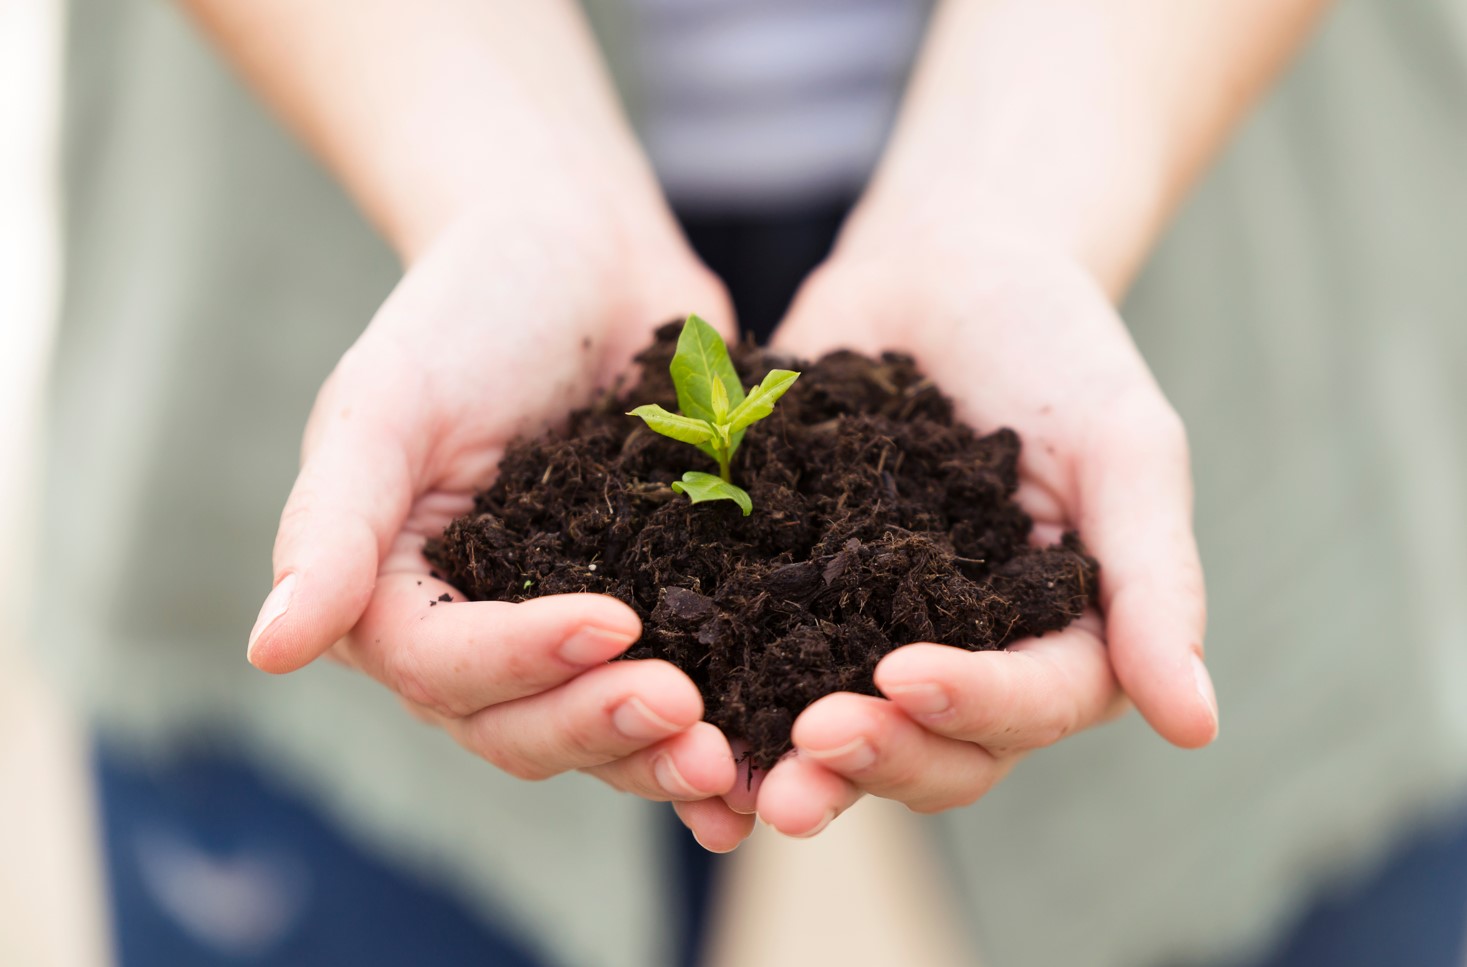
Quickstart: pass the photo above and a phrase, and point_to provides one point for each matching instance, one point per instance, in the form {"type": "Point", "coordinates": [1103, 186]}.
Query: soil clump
{"type": "Point", "coordinates": [879, 520]}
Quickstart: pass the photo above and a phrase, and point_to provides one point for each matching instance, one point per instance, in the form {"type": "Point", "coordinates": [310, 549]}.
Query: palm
{"type": "Point", "coordinates": [1030, 344]}
{"type": "Point", "coordinates": [489, 336]}
{"type": "Point", "coordinates": [1043, 353]}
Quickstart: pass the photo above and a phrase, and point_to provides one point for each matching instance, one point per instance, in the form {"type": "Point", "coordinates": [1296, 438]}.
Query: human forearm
{"type": "Point", "coordinates": [426, 109]}
{"type": "Point", "coordinates": [1072, 125]}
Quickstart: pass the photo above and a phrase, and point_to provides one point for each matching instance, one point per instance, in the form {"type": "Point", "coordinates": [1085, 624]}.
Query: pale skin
{"type": "Point", "coordinates": [1041, 148]}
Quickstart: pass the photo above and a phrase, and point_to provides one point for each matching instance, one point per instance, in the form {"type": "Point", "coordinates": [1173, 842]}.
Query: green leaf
{"type": "Point", "coordinates": [720, 403]}
{"type": "Point", "coordinates": [700, 361]}
{"type": "Point", "coordinates": [701, 486]}
{"type": "Point", "coordinates": [761, 399]}
{"type": "Point", "coordinates": [670, 424]}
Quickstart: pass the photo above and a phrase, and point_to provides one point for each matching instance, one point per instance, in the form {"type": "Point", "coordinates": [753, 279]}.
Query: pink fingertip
{"type": "Point", "coordinates": [277, 602]}
{"type": "Point", "coordinates": [818, 828]}
{"type": "Point", "coordinates": [922, 699]}
{"type": "Point", "coordinates": [1203, 683]}
{"type": "Point", "coordinates": [590, 645]}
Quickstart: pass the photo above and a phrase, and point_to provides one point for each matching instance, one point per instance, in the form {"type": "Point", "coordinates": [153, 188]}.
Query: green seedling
{"type": "Point", "coordinates": [715, 411]}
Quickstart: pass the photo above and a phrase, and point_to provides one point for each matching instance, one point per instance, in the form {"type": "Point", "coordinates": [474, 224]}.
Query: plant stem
{"type": "Point", "coordinates": [723, 461]}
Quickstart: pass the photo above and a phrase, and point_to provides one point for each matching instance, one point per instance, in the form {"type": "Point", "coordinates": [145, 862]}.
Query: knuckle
{"type": "Point", "coordinates": [351, 378]}
{"type": "Point", "coordinates": [406, 670]}
{"type": "Point", "coordinates": [524, 768]}
{"type": "Point", "coordinates": [517, 666]}
{"type": "Point", "coordinates": [1144, 422]}
{"type": "Point", "coordinates": [300, 510]}
{"type": "Point", "coordinates": [1169, 436]}
{"type": "Point", "coordinates": [992, 719]}
{"type": "Point", "coordinates": [578, 741]}
{"type": "Point", "coordinates": [1164, 432]}
{"type": "Point", "coordinates": [932, 806]}
{"type": "Point", "coordinates": [955, 799]}
{"type": "Point", "coordinates": [978, 723]}
{"type": "Point", "coordinates": [1007, 742]}
{"type": "Point", "coordinates": [1055, 729]}
{"type": "Point", "coordinates": [1192, 586]}
{"type": "Point", "coordinates": [310, 518]}
{"type": "Point", "coordinates": [487, 743]}
{"type": "Point", "coordinates": [1061, 715]}
{"type": "Point", "coordinates": [897, 771]}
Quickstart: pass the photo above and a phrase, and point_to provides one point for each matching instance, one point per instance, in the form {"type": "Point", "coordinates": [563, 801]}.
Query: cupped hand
{"type": "Point", "coordinates": [507, 321]}
{"type": "Point", "coordinates": [1023, 339]}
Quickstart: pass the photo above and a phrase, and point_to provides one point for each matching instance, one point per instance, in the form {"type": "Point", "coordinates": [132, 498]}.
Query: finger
{"type": "Point", "coordinates": [605, 714]}
{"type": "Point", "coordinates": [824, 296]}
{"type": "Point", "coordinates": [348, 502]}
{"type": "Point", "coordinates": [872, 743]}
{"type": "Point", "coordinates": [695, 764]}
{"type": "Point", "coordinates": [1029, 696]}
{"type": "Point", "coordinates": [717, 828]}
{"type": "Point", "coordinates": [800, 797]}
{"type": "Point", "coordinates": [679, 290]}
{"type": "Point", "coordinates": [743, 798]}
{"type": "Point", "coordinates": [458, 657]}
{"type": "Point", "coordinates": [1136, 517]}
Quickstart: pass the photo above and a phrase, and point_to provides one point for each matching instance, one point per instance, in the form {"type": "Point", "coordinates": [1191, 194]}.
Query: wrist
{"type": "Point", "coordinates": [958, 222]}
{"type": "Point", "coordinates": [916, 292]}
{"type": "Point", "coordinates": [577, 253]}
{"type": "Point", "coordinates": [1046, 139]}
{"type": "Point", "coordinates": [933, 256]}
{"type": "Point", "coordinates": [581, 209]}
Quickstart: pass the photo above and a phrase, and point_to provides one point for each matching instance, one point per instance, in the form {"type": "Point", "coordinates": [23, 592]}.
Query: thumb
{"type": "Point", "coordinates": [830, 310]}
{"type": "Point", "coordinates": [349, 501]}
{"type": "Point", "coordinates": [1136, 517]}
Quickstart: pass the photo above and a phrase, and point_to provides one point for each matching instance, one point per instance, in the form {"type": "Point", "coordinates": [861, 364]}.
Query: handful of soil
{"type": "Point", "coordinates": [878, 521]}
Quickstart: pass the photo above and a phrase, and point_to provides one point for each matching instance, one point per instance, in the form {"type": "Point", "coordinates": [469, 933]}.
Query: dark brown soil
{"type": "Point", "coordinates": [878, 521]}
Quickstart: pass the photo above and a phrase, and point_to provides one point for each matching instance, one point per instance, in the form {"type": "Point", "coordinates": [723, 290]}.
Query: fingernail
{"type": "Point", "coordinates": [818, 827]}
{"type": "Point", "coordinates": [635, 720]}
{"type": "Point", "coordinates": [276, 603]}
{"type": "Point", "coordinates": [671, 780]}
{"type": "Point", "coordinates": [1204, 688]}
{"type": "Point", "coordinates": [699, 840]}
{"type": "Point", "coordinates": [590, 645]}
{"type": "Point", "coordinates": [854, 756]}
{"type": "Point", "coordinates": [923, 698]}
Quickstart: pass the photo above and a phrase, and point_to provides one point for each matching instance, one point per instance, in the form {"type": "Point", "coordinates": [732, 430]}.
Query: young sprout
{"type": "Point", "coordinates": [715, 412]}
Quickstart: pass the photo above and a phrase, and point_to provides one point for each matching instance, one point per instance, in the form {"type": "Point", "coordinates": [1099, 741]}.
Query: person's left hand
{"type": "Point", "coordinates": [511, 317]}
{"type": "Point", "coordinates": [1025, 340]}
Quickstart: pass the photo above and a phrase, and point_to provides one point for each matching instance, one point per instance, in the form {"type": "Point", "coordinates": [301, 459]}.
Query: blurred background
{"type": "Point", "coordinates": [50, 908]}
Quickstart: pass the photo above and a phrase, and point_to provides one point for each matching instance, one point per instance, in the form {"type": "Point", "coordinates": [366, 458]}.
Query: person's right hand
{"type": "Point", "coordinates": [508, 320]}
{"type": "Point", "coordinates": [1020, 337]}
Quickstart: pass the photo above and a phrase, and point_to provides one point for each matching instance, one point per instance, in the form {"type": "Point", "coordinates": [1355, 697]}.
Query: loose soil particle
{"type": "Point", "coordinates": [878, 521]}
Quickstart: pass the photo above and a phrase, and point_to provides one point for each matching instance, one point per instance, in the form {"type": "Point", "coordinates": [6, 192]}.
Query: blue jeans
{"type": "Point", "coordinates": [1412, 912]}
{"type": "Point", "coordinates": [210, 865]}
